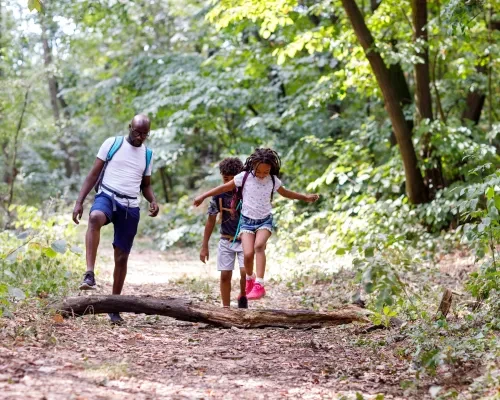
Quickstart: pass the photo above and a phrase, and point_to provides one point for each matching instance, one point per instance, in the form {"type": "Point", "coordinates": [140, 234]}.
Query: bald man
{"type": "Point", "coordinates": [119, 183]}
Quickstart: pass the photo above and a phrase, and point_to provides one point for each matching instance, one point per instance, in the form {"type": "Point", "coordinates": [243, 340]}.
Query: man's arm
{"type": "Point", "coordinates": [289, 194]}
{"type": "Point", "coordinates": [147, 191]}
{"type": "Point", "coordinates": [209, 228]}
{"type": "Point", "coordinates": [87, 186]}
{"type": "Point", "coordinates": [227, 187]}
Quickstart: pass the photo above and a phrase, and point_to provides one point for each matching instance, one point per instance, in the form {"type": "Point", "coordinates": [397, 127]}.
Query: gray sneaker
{"type": "Point", "coordinates": [88, 281]}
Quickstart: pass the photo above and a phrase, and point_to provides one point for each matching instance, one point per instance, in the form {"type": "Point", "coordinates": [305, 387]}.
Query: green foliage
{"type": "Point", "coordinates": [38, 259]}
{"type": "Point", "coordinates": [175, 225]}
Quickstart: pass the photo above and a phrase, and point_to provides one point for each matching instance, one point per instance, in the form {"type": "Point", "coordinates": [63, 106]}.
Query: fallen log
{"type": "Point", "coordinates": [188, 310]}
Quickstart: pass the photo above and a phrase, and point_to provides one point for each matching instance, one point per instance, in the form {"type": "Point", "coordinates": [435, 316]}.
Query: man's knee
{"type": "Point", "coordinates": [97, 219]}
{"type": "Point", "coordinates": [121, 257]}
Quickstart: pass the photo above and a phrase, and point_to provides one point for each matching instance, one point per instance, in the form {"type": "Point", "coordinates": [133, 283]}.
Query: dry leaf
{"type": "Point", "coordinates": [58, 319]}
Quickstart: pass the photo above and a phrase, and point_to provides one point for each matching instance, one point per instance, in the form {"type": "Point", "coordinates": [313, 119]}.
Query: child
{"type": "Point", "coordinates": [228, 250]}
{"type": "Point", "coordinates": [258, 182]}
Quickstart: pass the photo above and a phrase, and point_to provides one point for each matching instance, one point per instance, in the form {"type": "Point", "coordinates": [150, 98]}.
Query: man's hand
{"type": "Point", "coordinates": [153, 209]}
{"type": "Point", "coordinates": [311, 198]}
{"type": "Point", "coordinates": [204, 254]}
{"type": "Point", "coordinates": [77, 212]}
{"type": "Point", "coordinates": [198, 200]}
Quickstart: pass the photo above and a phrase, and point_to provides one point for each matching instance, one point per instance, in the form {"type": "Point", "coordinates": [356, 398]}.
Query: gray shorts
{"type": "Point", "coordinates": [226, 255]}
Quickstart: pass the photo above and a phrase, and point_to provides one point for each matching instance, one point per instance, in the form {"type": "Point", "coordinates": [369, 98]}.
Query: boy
{"type": "Point", "coordinates": [228, 251]}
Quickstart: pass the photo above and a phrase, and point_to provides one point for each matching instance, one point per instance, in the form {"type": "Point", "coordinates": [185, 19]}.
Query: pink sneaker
{"type": "Point", "coordinates": [249, 285]}
{"type": "Point", "coordinates": [257, 292]}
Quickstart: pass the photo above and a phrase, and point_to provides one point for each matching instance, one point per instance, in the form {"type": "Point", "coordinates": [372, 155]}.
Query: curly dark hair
{"type": "Point", "coordinates": [230, 166]}
{"type": "Point", "coordinates": [264, 156]}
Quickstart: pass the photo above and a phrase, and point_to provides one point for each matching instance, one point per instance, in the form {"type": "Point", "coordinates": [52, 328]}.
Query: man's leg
{"type": "Point", "coordinates": [97, 219]}
{"type": "Point", "coordinates": [125, 223]}
{"type": "Point", "coordinates": [120, 272]}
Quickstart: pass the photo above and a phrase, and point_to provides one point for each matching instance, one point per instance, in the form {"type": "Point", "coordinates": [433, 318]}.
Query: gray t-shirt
{"type": "Point", "coordinates": [257, 195]}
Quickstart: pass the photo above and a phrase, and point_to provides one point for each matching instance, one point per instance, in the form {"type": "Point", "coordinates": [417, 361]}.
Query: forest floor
{"type": "Point", "coordinates": [150, 357]}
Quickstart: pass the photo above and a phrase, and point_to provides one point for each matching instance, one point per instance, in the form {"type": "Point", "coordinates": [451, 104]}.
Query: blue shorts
{"type": "Point", "coordinates": [249, 225]}
{"type": "Point", "coordinates": [125, 220]}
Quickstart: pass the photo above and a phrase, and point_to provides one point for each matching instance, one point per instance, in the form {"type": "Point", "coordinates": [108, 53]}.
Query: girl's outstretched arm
{"type": "Point", "coordinates": [310, 198]}
{"type": "Point", "coordinates": [227, 187]}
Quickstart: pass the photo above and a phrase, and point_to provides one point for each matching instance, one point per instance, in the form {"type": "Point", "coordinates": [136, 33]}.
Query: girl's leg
{"type": "Point", "coordinates": [248, 241]}
{"type": "Point", "coordinates": [225, 287]}
{"type": "Point", "coordinates": [261, 238]}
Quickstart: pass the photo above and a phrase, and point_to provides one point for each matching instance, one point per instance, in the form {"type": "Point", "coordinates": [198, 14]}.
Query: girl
{"type": "Point", "coordinates": [258, 182]}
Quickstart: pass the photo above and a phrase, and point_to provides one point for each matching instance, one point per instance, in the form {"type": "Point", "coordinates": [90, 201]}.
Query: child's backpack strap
{"type": "Point", "coordinates": [243, 182]}
{"type": "Point", "coordinates": [272, 191]}
{"type": "Point", "coordinates": [117, 143]}
{"type": "Point", "coordinates": [149, 156]}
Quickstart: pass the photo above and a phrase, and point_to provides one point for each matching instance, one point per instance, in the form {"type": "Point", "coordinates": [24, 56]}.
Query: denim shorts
{"type": "Point", "coordinates": [249, 225]}
{"type": "Point", "coordinates": [125, 220]}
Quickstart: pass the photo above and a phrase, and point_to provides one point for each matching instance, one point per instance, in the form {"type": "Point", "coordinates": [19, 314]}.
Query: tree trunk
{"type": "Point", "coordinates": [433, 174]}
{"type": "Point", "coordinates": [415, 187]}
{"type": "Point", "coordinates": [164, 183]}
{"type": "Point", "coordinates": [399, 80]}
{"type": "Point", "coordinates": [71, 164]}
{"type": "Point", "coordinates": [422, 75]}
{"type": "Point", "coordinates": [187, 310]}
{"type": "Point", "coordinates": [474, 105]}
{"type": "Point", "coordinates": [14, 157]}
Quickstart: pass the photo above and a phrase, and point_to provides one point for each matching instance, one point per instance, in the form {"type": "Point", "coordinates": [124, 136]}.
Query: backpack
{"type": "Point", "coordinates": [112, 151]}
{"type": "Point", "coordinates": [237, 199]}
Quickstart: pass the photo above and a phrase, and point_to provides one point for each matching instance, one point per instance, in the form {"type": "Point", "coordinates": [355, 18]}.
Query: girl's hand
{"type": "Point", "coordinates": [311, 198]}
{"type": "Point", "coordinates": [197, 201]}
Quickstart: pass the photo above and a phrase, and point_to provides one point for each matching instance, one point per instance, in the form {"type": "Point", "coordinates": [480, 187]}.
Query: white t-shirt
{"type": "Point", "coordinates": [257, 195]}
{"type": "Point", "coordinates": [125, 170]}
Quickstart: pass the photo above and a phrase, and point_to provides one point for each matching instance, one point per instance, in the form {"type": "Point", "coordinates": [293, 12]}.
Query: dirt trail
{"type": "Point", "coordinates": [161, 358]}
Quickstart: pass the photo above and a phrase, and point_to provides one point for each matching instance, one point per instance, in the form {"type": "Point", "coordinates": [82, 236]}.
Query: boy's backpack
{"type": "Point", "coordinates": [112, 151]}
{"type": "Point", "coordinates": [237, 199]}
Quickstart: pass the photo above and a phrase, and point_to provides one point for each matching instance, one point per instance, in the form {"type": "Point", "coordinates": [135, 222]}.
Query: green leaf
{"type": "Point", "coordinates": [59, 246]}
{"type": "Point", "coordinates": [35, 5]}
{"type": "Point", "coordinates": [340, 252]}
{"type": "Point", "coordinates": [369, 251]}
{"type": "Point", "coordinates": [490, 193]}
{"type": "Point", "coordinates": [49, 252]}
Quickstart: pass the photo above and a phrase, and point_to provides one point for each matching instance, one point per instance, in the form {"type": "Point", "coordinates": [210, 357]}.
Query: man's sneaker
{"type": "Point", "coordinates": [249, 285]}
{"type": "Point", "coordinates": [257, 292]}
{"type": "Point", "coordinates": [115, 318]}
{"type": "Point", "coordinates": [242, 302]}
{"type": "Point", "coordinates": [88, 281]}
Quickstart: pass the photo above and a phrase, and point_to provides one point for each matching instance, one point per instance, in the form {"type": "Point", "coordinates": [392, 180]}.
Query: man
{"type": "Point", "coordinates": [121, 171]}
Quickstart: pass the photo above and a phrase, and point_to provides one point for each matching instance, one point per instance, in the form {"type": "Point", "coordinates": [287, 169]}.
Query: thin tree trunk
{"type": "Point", "coordinates": [187, 310]}
{"type": "Point", "coordinates": [54, 101]}
{"type": "Point", "coordinates": [14, 156]}
{"type": "Point", "coordinates": [415, 187]}
{"type": "Point", "coordinates": [163, 174]}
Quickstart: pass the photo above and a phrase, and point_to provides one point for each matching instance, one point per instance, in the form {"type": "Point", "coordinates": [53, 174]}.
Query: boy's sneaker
{"type": "Point", "coordinates": [242, 302]}
{"type": "Point", "coordinates": [249, 285]}
{"type": "Point", "coordinates": [88, 281]}
{"type": "Point", "coordinates": [115, 318]}
{"type": "Point", "coordinates": [257, 292]}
